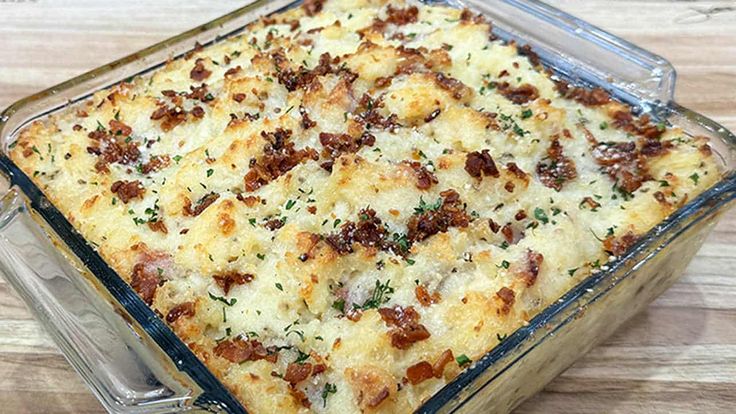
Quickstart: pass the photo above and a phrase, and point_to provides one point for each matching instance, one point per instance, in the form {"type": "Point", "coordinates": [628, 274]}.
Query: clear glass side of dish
{"type": "Point", "coordinates": [134, 363]}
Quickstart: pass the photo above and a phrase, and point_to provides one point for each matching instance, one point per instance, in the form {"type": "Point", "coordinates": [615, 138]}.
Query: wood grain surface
{"type": "Point", "coordinates": [677, 357]}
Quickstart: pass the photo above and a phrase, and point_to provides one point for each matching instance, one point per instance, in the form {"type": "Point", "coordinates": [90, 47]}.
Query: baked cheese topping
{"type": "Point", "coordinates": [344, 207]}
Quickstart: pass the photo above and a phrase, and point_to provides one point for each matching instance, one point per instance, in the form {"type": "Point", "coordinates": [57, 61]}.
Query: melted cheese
{"type": "Point", "coordinates": [296, 303]}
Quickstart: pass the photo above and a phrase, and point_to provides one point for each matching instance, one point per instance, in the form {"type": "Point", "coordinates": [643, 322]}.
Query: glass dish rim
{"type": "Point", "coordinates": [213, 390]}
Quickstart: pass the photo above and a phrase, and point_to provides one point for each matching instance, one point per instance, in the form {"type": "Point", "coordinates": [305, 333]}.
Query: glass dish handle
{"type": "Point", "coordinates": [105, 347]}
{"type": "Point", "coordinates": [581, 51]}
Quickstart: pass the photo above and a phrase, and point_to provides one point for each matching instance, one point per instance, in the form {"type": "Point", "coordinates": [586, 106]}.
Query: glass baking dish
{"type": "Point", "coordinates": [134, 363]}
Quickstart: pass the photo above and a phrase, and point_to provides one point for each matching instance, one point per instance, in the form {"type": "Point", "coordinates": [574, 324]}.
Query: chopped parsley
{"type": "Point", "coordinates": [279, 287]}
{"type": "Point", "coordinates": [326, 391]}
{"type": "Point", "coordinates": [424, 207]}
{"type": "Point", "coordinates": [222, 299]}
{"type": "Point", "coordinates": [695, 177]}
{"type": "Point", "coordinates": [379, 296]}
{"type": "Point", "coordinates": [540, 215]}
{"type": "Point", "coordinates": [463, 359]}
{"type": "Point", "coordinates": [527, 113]}
{"type": "Point", "coordinates": [504, 264]}
{"type": "Point", "coordinates": [209, 172]}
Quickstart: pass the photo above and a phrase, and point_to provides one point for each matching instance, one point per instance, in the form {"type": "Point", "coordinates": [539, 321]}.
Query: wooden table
{"type": "Point", "coordinates": [678, 356]}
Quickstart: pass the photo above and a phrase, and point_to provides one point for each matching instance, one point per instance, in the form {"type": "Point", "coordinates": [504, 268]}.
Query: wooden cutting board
{"type": "Point", "coordinates": [677, 357]}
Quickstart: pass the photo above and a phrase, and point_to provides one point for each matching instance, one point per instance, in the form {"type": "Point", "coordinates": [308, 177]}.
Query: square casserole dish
{"type": "Point", "coordinates": [134, 363]}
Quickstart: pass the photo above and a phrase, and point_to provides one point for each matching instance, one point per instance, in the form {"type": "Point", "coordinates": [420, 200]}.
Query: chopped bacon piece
{"type": "Point", "coordinates": [199, 72]}
{"type": "Point", "coordinates": [425, 178]}
{"type": "Point", "coordinates": [171, 116]}
{"type": "Point", "coordinates": [434, 114]}
{"type": "Point", "coordinates": [586, 96]}
{"type": "Point", "coordinates": [520, 95]}
{"type": "Point", "coordinates": [239, 350]}
{"type": "Point", "coordinates": [145, 281]}
{"type": "Point", "coordinates": [450, 214]}
{"type": "Point", "coordinates": [226, 280]}
{"type": "Point", "coordinates": [368, 232]}
{"type": "Point", "coordinates": [296, 373]}
{"type": "Point", "coordinates": [159, 226]}
{"type": "Point", "coordinates": [312, 7]}
{"type": "Point", "coordinates": [306, 121]}
{"type": "Point", "coordinates": [556, 169]}
{"type": "Point", "coordinates": [112, 148]}
{"type": "Point", "coordinates": [406, 329]}
{"type": "Point", "coordinates": [337, 144]}
{"type": "Point", "coordinates": [419, 372]}
{"type": "Point", "coordinates": [128, 190]}
{"type": "Point", "coordinates": [303, 77]}
{"type": "Point", "coordinates": [424, 297]}
{"type": "Point", "coordinates": [438, 368]}
{"type": "Point", "coordinates": [642, 127]}
{"type": "Point", "coordinates": [368, 115]}
{"type": "Point", "coordinates": [155, 163]}
{"type": "Point", "coordinates": [183, 309]}
{"type": "Point", "coordinates": [233, 71]}
{"type": "Point", "coordinates": [401, 17]}
{"type": "Point", "coordinates": [508, 298]}
{"type": "Point", "coordinates": [202, 204]}
{"type": "Point", "coordinates": [620, 245]}
{"type": "Point", "coordinates": [529, 270]}
{"type": "Point", "coordinates": [458, 89]}
{"type": "Point", "coordinates": [495, 227]}
{"type": "Point", "coordinates": [120, 129]}
{"type": "Point", "coordinates": [279, 157]}
{"type": "Point", "coordinates": [478, 164]}
{"type": "Point", "coordinates": [274, 224]}
{"type": "Point", "coordinates": [622, 162]}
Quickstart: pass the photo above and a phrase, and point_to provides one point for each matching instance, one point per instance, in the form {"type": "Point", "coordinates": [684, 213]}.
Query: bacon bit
{"type": "Point", "coordinates": [527, 51]}
{"type": "Point", "coordinates": [458, 89]}
{"type": "Point", "coordinates": [198, 112]}
{"type": "Point", "coordinates": [279, 157]}
{"type": "Point", "coordinates": [118, 128]}
{"type": "Point", "coordinates": [312, 209]}
{"type": "Point", "coordinates": [508, 233]}
{"type": "Point", "coordinates": [312, 7]}
{"type": "Point", "coordinates": [478, 164]}
{"type": "Point", "coordinates": [238, 350]}
{"type": "Point", "coordinates": [171, 116]}
{"type": "Point", "coordinates": [467, 16]}
{"type": "Point", "coordinates": [706, 150]}
{"type": "Point", "coordinates": [424, 298]}
{"type": "Point", "coordinates": [156, 163]}
{"type": "Point", "coordinates": [406, 329]}
{"type": "Point", "coordinates": [401, 17]}
{"type": "Point", "coordinates": [249, 201]}
{"type": "Point", "coordinates": [202, 204]}
{"type": "Point", "coordinates": [495, 227]}
{"type": "Point", "coordinates": [508, 297]}
{"type": "Point", "coordinates": [431, 117]}
{"type": "Point", "coordinates": [590, 202]}
{"type": "Point", "coordinates": [520, 215]}
{"type": "Point", "coordinates": [274, 224]}
{"type": "Point", "coordinates": [618, 246]}
{"type": "Point", "coordinates": [184, 309]}
{"type": "Point", "coordinates": [661, 198]}
{"type": "Point", "coordinates": [81, 114]}
{"type": "Point", "coordinates": [158, 226]}
{"type": "Point", "coordinates": [337, 144]}
{"type": "Point", "coordinates": [556, 169]}
{"type": "Point", "coordinates": [296, 373]}
{"type": "Point", "coordinates": [530, 271]}
{"type": "Point", "coordinates": [199, 72]}
{"type": "Point", "coordinates": [520, 95]}
{"type": "Point", "coordinates": [112, 149]}
{"type": "Point", "coordinates": [585, 96]}
{"type": "Point", "coordinates": [200, 93]}
{"type": "Point", "coordinates": [367, 114]}
{"type": "Point", "coordinates": [233, 71]}
{"type": "Point", "coordinates": [509, 186]}
{"type": "Point", "coordinates": [368, 232]}
{"type": "Point", "coordinates": [303, 77]}
{"type": "Point", "coordinates": [651, 147]}
{"type": "Point", "coordinates": [239, 97]}
{"type": "Point", "coordinates": [77, 127]}
{"type": "Point", "coordinates": [306, 121]}
{"type": "Point", "coordinates": [438, 368]}
{"type": "Point", "coordinates": [450, 214]}
{"type": "Point", "coordinates": [419, 372]}
{"type": "Point", "coordinates": [622, 162]}
{"type": "Point", "coordinates": [425, 178]}
{"type": "Point", "coordinates": [128, 190]}
{"type": "Point", "coordinates": [145, 281]}
{"type": "Point", "coordinates": [518, 172]}
{"type": "Point", "coordinates": [642, 127]}
{"type": "Point", "coordinates": [226, 280]}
